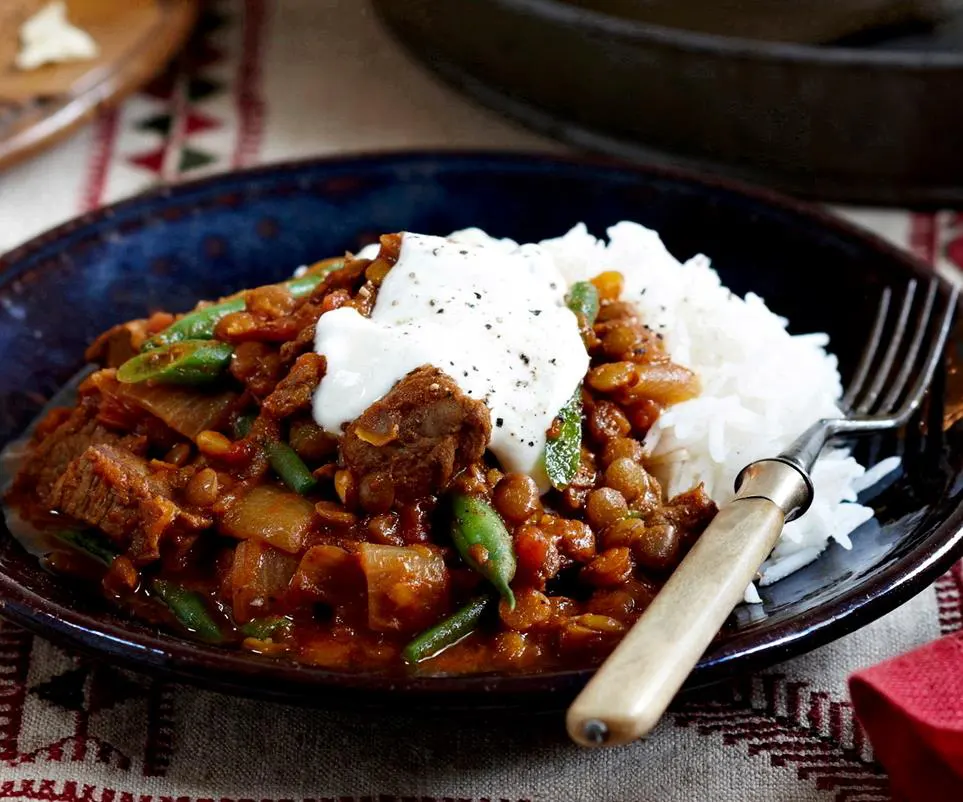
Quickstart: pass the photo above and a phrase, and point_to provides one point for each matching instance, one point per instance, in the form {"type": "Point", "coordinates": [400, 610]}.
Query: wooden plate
{"type": "Point", "coordinates": [136, 39]}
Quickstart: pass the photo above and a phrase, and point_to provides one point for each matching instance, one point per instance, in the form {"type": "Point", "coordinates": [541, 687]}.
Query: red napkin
{"type": "Point", "coordinates": [912, 709]}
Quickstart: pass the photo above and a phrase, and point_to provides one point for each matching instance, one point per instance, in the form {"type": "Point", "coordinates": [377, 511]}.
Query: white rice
{"type": "Point", "coordinates": [760, 386]}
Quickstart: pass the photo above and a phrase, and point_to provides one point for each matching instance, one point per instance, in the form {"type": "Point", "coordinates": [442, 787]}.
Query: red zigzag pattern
{"type": "Point", "coordinates": [159, 748]}
{"type": "Point", "coordinates": [15, 646]}
{"type": "Point", "coordinates": [72, 791]}
{"type": "Point", "coordinates": [949, 599]}
{"type": "Point", "coordinates": [795, 726]}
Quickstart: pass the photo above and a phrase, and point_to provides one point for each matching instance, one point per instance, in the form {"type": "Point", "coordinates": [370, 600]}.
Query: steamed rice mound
{"type": "Point", "coordinates": [761, 386]}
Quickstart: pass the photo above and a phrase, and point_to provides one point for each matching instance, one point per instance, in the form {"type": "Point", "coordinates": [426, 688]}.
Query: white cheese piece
{"type": "Point", "coordinates": [48, 38]}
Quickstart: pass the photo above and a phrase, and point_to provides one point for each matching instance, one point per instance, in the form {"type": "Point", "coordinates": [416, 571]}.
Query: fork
{"type": "Point", "coordinates": [634, 686]}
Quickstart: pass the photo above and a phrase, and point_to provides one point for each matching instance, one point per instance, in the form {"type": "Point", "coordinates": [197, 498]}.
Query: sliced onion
{"type": "Point", "coordinates": [272, 514]}
{"type": "Point", "coordinates": [407, 587]}
{"type": "Point", "coordinates": [186, 410]}
{"type": "Point", "coordinates": [259, 578]}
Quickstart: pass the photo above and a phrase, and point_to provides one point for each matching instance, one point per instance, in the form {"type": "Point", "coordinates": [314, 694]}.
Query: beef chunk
{"type": "Point", "coordinates": [118, 344]}
{"type": "Point", "coordinates": [691, 510]}
{"type": "Point", "coordinates": [62, 445]}
{"type": "Point", "coordinates": [294, 392]}
{"type": "Point", "coordinates": [337, 288]}
{"type": "Point", "coordinates": [114, 490]}
{"type": "Point", "coordinates": [423, 432]}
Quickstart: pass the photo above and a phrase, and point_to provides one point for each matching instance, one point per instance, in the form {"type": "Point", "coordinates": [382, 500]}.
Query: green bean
{"type": "Point", "coordinates": [304, 285]}
{"type": "Point", "coordinates": [243, 424]}
{"type": "Point", "coordinates": [185, 362]}
{"type": "Point", "coordinates": [583, 300]}
{"type": "Point", "coordinates": [189, 609]}
{"type": "Point", "coordinates": [264, 628]}
{"type": "Point", "coordinates": [92, 543]}
{"type": "Point", "coordinates": [447, 632]}
{"type": "Point", "coordinates": [563, 451]}
{"type": "Point", "coordinates": [196, 325]}
{"type": "Point", "coordinates": [199, 324]}
{"type": "Point", "coordinates": [290, 467]}
{"type": "Point", "coordinates": [483, 542]}
{"type": "Point", "coordinates": [282, 458]}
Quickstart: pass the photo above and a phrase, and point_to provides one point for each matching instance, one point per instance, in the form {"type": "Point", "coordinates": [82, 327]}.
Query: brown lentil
{"type": "Point", "coordinates": [607, 421]}
{"type": "Point", "coordinates": [178, 455]}
{"type": "Point", "coordinates": [513, 650]}
{"type": "Point", "coordinates": [563, 608]}
{"type": "Point", "coordinates": [202, 489]}
{"type": "Point", "coordinates": [621, 448]}
{"type": "Point", "coordinates": [617, 603]}
{"type": "Point", "coordinates": [532, 609]}
{"type": "Point", "coordinates": [537, 556]}
{"type": "Point", "coordinates": [376, 493]}
{"type": "Point", "coordinates": [574, 539]}
{"type": "Point", "coordinates": [658, 547]}
{"type": "Point", "coordinates": [213, 444]}
{"type": "Point", "coordinates": [121, 577]}
{"type": "Point", "coordinates": [269, 302]}
{"type": "Point", "coordinates": [642, 415]}
{"type": "Point", "coordinates": [330, 512]}
{"type": "Point", "coordinates": [623, 533]}
{"type": "Point", "coordinates": [605, 507]}
{"type": "Point", "coordinates": [609, 569]}
{"type": "Point", "coordinates": [617, 310]}
{"type": "Point", "coordinates": [611, 376]}
{"type": "Point", "coordinates": [235, 326]}
{"type": "Point", "coordinates": [590, 630]}
{"type": "Point", "coordinates": [516, 497]}
{"type": "Point", "coordinates": [622, 341]}
{"type": "Point", "coordinates": [628, 477]}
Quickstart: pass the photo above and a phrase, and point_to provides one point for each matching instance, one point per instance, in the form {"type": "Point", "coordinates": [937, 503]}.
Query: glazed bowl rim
{"type": "Point", "coordinates": [236, 672]}
{"type": "Point", "coordinates": [735, 47]}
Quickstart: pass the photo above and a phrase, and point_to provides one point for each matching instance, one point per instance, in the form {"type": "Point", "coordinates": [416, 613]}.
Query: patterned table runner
{"type": "Point", "coordinates": [264, 81]}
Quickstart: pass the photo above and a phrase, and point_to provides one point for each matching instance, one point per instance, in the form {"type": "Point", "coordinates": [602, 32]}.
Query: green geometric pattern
{"type": "Point", "coordinates": [192, 158]}
{"type": "Point", "coordinates": [185, 88]}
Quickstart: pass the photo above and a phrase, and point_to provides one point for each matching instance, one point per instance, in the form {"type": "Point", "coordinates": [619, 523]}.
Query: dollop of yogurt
{"type": "Point", "coordinates": [492, 318]}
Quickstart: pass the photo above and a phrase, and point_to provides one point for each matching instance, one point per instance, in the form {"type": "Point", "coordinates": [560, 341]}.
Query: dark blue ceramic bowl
{"type": "Point", "coordinates": [201, 240]}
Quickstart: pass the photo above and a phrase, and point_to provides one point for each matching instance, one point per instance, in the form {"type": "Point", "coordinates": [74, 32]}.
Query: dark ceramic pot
{"type": "Point", "coordinates": [776, 20]}
{"type": "Point", "coordinates": [854, 124]}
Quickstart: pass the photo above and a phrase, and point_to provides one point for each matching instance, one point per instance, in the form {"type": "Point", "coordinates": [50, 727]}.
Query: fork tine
{"type": "Point", "coordinates": [933, 359]}
{"type": "Point", "coordinates": [882, 372]}
{"type": "Point", "coordinates": [909, 359]}
{"type": "Point", "coordinates": [869, 351]}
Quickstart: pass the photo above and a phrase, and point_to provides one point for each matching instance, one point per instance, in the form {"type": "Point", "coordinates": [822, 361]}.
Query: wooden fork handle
{"type": "Point", "coordinates": [630, 692]}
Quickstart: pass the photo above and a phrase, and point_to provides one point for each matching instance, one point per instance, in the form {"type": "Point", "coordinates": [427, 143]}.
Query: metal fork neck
{"type": "Point", "coordinates": [806, 448]}
{"type": "Point", "coordinates": [783, 482]}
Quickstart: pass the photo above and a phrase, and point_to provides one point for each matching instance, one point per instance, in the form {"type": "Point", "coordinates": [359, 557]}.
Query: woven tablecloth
{"type": "Point", "coordinates": [263, 81]}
